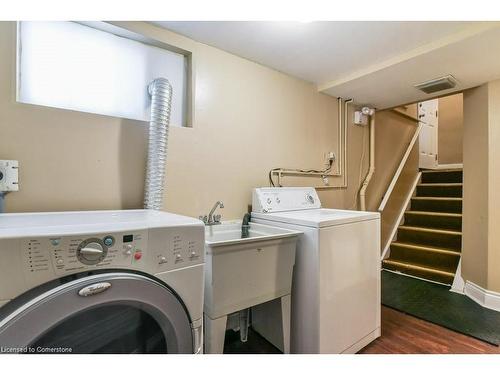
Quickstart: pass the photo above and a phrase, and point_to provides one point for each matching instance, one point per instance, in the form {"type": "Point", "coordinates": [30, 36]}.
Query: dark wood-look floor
{"type": "Point", "coordinates": [405, 334]}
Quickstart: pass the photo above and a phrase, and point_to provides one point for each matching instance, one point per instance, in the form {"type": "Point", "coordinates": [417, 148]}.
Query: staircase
{"type": "Point", "coordinates": [429, 241]}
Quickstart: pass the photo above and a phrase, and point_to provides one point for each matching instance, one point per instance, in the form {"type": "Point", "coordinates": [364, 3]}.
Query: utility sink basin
{"type": "Point", "coordinates": [244, 271]}
{"type": "Point", "coordinates": [230, 233]}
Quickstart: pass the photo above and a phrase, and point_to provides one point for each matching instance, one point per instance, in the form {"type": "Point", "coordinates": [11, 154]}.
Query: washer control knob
{"type": "Point", "coordinates": [177, 256]}
{"type": "Point", "coordinates": [91, 251]}
{"type": "Point", "coordinates": [128, 247]}
{"type": "Point", "coordinates": [269, 201]}
{"type": "Point", "coordinates": [163, 259]}
{"type": "Point", "coordinates": [60, 261]}
{"type": "Point", "coordinates": [193, 254]}
{"type": "Point", "coordinates": [138, 255]}
{"type": "Point", "coordinates": [127, 252]}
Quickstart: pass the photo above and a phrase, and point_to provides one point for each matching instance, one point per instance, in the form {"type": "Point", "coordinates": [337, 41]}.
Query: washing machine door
{"type": "Point", "coordinates": [117, 312]}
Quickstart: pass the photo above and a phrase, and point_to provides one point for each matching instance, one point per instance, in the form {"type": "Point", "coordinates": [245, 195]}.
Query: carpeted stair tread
{"type": "Point", "coordinates": [434, 213]}
{"type": "Point", "coordinates": [421, 271]}
{"type": "Point", "coordinates": [442, 176]}
{"type": "Point", "coordinates": [437, 204]}
{"type": "Point", "coordinates": [448, 239]}
{"type": "Point", "coordinates": [440, 190]}
{"type": "Point", "coordinates": [433, 249]}
{"type": "Point", "coordinates": [425, 256]}
{"type": "Point", "coordinates": [442, 184]}
{"type": "Point", "coordinates": [437, 220]}
{"type": "Point", "coordinates": [431, 230]}
{"type": "Point", "coordinates": [453, 199]}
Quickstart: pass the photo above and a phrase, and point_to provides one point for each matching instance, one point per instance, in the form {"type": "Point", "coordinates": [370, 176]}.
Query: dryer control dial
{"type": "Point", "coordinates": [91, 251]}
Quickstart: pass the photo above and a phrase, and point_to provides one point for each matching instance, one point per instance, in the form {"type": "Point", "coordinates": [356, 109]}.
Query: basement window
{"type": "Point", "coordinates": [73, 66]}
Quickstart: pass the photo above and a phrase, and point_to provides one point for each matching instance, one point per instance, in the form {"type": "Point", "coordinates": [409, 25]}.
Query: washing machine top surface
{"type": "Point", "coordinates": [318, 218]}
{"type": "Point", "coordinates": [301, 206]}
{"type": "Point", "coordinates": [80, 222]}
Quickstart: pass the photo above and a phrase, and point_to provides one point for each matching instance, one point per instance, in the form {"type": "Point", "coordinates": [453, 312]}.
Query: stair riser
{"type": "Point", "coordinates": [421, 273]}
{"type": "Point", "coordinates": [439, 191]}
{"type": "Point", "coordinates": [425, 258]}
{"type": "Point", "coordinates": [437, 206]}
{"type": "Point", "coordinates": [446, 241]}
{"type": "Point", "coordinates": [435, 222]}
{"type": "Point", "coordinates": [442, 177]}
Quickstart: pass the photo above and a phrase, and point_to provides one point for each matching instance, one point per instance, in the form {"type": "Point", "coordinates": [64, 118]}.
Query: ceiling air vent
{"type": "Point", "coordinates": [437, 84]}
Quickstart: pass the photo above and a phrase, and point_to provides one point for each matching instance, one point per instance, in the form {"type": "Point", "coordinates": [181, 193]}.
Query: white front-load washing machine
{"type": "Point", "coordinates": [101, 282]}
{"type": "Point", "coordinates": [336, 279]}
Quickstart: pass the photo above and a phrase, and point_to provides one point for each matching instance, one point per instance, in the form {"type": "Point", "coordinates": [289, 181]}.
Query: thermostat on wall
{"type": "Point", "coordinates": [9, 176]}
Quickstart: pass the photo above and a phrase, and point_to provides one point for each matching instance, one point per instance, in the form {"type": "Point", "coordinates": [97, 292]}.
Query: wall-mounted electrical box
{"type": "Point", "coordinates": [9, 176]}
{"type": "Point", "coordinates": [360, 118]}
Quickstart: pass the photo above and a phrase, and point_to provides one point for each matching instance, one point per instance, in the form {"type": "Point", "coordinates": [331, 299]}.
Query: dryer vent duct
{"type": "Point", "coordinates": [161, 103]}
{"type": "Point", "coordinates": [437, 84]}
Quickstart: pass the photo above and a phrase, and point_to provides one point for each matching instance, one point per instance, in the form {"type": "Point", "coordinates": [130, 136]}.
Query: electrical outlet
{"type": "Point", "coordinates": [331, 156]}
{"type": "Point", "coordinates": [9, 176]}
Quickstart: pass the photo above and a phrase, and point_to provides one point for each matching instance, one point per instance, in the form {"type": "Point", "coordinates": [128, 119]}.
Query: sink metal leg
{"type": "Point", "coordinates": [285, 321]}
{"type": "Point", "coordinates": [244, 325]}
{"type": "Point", "coordinates": [215, 332]}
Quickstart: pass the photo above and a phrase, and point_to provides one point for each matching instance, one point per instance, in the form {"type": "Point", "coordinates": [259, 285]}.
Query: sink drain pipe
{"type": "Point", "coordinates": [160, 91]}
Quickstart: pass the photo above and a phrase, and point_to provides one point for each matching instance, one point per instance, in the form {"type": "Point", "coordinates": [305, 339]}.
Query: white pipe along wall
{"type": "Point", "coordinates": [371, 168]}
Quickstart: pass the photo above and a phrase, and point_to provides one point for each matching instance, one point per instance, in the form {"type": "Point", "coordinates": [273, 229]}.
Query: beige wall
{"type": "Point", "coordinates": [392, 135]}
{"type": "Point", "coordinates": [247, 120]}
{"type": "Point", "coordinates": [481, 210]}
{"type": "Point", "coordinates": [450, 129]}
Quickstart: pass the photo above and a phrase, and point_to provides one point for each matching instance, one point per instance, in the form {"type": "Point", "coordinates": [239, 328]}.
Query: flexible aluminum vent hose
{"type": "Point", "coordinates": [161, 102]}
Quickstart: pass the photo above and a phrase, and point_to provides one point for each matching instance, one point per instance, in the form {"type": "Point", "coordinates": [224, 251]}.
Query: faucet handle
{"type": "Point", "coordinates": [203, 218]}
{"type": "Point", "coordinates": [217, 218]}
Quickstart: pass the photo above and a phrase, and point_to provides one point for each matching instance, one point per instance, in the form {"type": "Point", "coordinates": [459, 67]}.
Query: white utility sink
{"type": "Point", "coordinates": [241, 272]}
{"type": "Point", "coordinates": [230, 233]}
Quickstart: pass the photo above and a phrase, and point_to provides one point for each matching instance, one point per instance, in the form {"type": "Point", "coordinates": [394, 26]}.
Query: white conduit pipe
{"type": "Point", "coordinates": [161, 102]}
{"type": "Point", "coordinates": [340, 145]}
{"type": "Point", "coordinates": [371, 167]}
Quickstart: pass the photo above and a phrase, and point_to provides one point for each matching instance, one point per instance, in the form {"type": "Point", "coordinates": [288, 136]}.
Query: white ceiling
{"type": "Point", "coordinates": [375, 63]}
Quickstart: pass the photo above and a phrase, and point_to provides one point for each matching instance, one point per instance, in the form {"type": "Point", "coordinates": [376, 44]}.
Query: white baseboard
{"type": "Point", "coordinates": [450, 166]}
{"type": "Point", "coordinates": [458, 282]}
{"type": "Point", "coordinates": [485, 298]}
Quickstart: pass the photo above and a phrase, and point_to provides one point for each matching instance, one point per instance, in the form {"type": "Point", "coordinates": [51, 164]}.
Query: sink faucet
{"type": "Point", "coordinates": [245, 226]}
{"type": "Point", "coordinates": [212, 219]}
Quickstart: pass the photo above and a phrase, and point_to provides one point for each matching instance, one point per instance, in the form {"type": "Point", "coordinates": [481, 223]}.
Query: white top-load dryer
{"type": "Point", "coordinates": [336, 280]}
{"type": "Point", "coordinates": [101, 282]}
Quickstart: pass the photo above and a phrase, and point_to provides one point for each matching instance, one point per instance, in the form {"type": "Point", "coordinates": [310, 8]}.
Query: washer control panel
{"type": "Point", "coordinates": [284, 199]}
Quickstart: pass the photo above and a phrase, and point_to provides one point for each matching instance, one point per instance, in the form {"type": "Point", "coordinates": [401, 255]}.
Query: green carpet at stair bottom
{"type": "Point", "coordinates": [436, 304]}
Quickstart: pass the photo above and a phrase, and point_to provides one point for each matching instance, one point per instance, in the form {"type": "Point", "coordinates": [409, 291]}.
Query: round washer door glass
{"type": "Point", "coordinates": [106, 313]}
{"type": "Point", "coordinates": [105, 329]}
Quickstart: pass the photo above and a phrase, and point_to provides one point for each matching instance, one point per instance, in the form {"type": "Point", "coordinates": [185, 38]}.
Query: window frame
{"type": "Point", "coordinates": [123, 32]}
